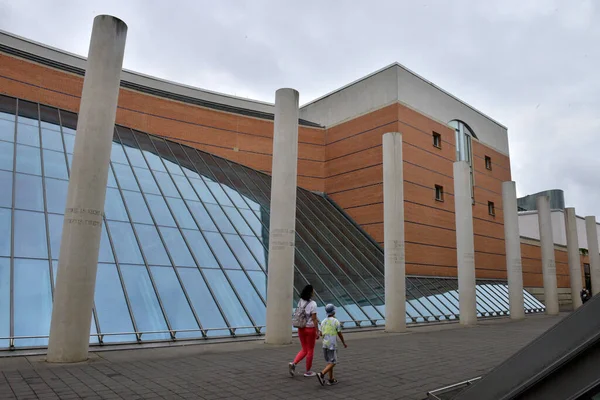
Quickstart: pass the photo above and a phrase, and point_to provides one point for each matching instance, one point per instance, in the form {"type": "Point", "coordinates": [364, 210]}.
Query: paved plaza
{"type": "Point", "coordinates": [375, 365]}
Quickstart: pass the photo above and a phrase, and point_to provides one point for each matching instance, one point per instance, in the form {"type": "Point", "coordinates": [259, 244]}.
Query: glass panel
{"type": "Point", "coordinates": [4, 299]}
{"type": "Point", "coordinates": [146, 180]}
{"type": "Point", "coordinates": [7, 130]}
{"type": "Point", "coordinates": [152, 246]}
{"type": "Point", "coordinates": [253, 221]}
{"type": "Point", "coordinates": [117, 154]}
{"type": "Point", "coordinates": [114, 207]}
{"type": "Point", "coordinates": [28, 192]}
{"type": "Point", "coordinates": [111, 176]}
{"type": "Point", "coordinates": [28, 120]}
{"type": "Point", "coordinates": [227, 299]}
{"type": "Point", "coordinates": [124, 242]}
{"type": "Point", "coordinates": [125, 177]}
{"type": "Point", "coordinates": [185, 188]}
{"type": "Point", "coordinates": [177, 247]}
{"type": "Point", "coordinates": [144, 304]}
{"type": "Point", "coordinates": [219, 194]}
{"type": "Point", "coordinates": [32, 301]}
{"type": "Point", "coordinates": [5, 230]}
{"type": "Point", "coordinates": [200, 249]}
{"type": "Point", "coordinates": [220, 218]}
{"type": "Point", "coordinates": [201, 216]}
{"type": "Point", "coordinates": [106, 253]}
{"type": "Point", "coordinates": [55, 226]}
{"type": "Point", "coordinates": [69, 142]}
{"type": "Point", "coordinates": [154, 161]}
{"type": "Point", "coordinates": [56, 195]}
{"type": "Point", "coordinates": [160, 211]}
{"type": "Point", "coordinates": [221, 250]}
{"type": "Point", "coordinates": [257, 249]}
{"type": "Point", "coordinates": [202, 190]}
{"type": "Point", "coordinates": [175, 303]}
{"type": "Point", "coordinates": [172, 167]}
{"type": "Point", "coordinates": [6, 189]}
{"type": "Point", "coordinates": [241, 251]}
{"type": "Point", "coordinates": [30, 235]}
{"type": "Point", "coordinates": [28, 160]}
{"type": "Point", "coordinates": [250, 298]}
{"type": "Point", "coordinates": [6, 155]}
{"type": "Point", "coordinates": [52, 140]}
{"type": "Point", "coordinates": [55, 165]}
{"type": "Point", "coordinates": [52, 122]}
{"type": "Point", "coordinates": [259, 279]}
{"type": "Point", "coordinates": [202, 301]}
{"type": "Point", "coordinates": [135, 157]}
{"type": "Point", "coordinates": [111, 306]}
{"type": "Point", "coordinates": [238, 221]}
{"type": "Point", "coordinates": [28, 134]}
{"type": "Point", "coordinates": [182, 215]}
{"type": "Point", "coordinates": [166, 184]}
{"type": "Point", "coordinates": [137, 207]}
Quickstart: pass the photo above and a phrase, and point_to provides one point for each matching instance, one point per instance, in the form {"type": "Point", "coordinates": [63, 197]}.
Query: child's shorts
{"type": "Point", "coordinates": [330, 356]}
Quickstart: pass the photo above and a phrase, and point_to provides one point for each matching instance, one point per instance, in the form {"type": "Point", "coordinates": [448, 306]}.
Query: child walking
{"type": "Point", "coordinates": [330, 329]}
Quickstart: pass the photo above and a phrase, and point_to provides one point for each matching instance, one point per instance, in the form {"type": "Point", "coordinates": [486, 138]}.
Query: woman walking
{"type": "Point", "coordinates": [305, 319]}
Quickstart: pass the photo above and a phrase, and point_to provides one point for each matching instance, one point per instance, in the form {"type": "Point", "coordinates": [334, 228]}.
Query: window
{"type": "Point", "coordinates": [437, 140]}
{"type": "Point", "coordinates": [491, 208]}
{"type": "Point", "coordinates": [439, 193]}
{"type": "Point", "coordinates": [464, 151]}
{"type": "Point", "coordinates": [488, 163]}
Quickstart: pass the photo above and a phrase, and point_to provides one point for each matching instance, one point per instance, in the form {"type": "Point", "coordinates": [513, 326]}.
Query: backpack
{"type": "Point", "coordinates": [299, 318]}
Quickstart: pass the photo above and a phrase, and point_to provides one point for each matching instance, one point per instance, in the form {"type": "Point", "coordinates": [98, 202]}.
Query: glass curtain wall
{"type": "Point", "coordinates": [184, 243]}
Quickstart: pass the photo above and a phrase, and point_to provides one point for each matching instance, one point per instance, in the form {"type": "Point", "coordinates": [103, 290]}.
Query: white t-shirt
{"type": "Point", "coordinates": [310, 309]}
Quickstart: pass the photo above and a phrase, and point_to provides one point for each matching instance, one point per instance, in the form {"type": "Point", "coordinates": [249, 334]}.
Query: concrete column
{"type": "Point", "coordinates": [592, 239]}
{"type": "Point", "coordinates": [280, 283]}
{"type": "Point", "coordinates": [512, 243]}
{"type": "Point", "coordinates": [548, 261]}
{"type": "Point", "coordinates": [80, 243]}
{"type": "Point", "coordinates": [465, 247]}
{"type": "Point", "coordinates": [574, 258]}
{"type": "Point", "coordinates": [393, 232]}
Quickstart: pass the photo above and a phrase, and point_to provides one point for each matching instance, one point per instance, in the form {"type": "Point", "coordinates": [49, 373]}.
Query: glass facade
{"type": "Point", "coordinates": [184, 243]}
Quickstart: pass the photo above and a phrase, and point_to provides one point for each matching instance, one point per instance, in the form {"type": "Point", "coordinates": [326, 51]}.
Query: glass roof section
{"type": "Point", "coordinates": [184, 243]}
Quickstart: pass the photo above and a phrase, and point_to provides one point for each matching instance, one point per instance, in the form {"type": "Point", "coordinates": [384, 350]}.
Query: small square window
{"type": "Point", "coordinates": [437, 140]}
{"type": "Point", "coordinates": [491, 208]}
{"type": "Point", "coordinates": [439, 193]}
{"type": "Point", "coordinates": [488, 163]}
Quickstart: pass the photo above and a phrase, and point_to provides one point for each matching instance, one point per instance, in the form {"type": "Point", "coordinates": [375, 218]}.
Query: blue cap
{"type": "Point", "coordinates": [330, 309]}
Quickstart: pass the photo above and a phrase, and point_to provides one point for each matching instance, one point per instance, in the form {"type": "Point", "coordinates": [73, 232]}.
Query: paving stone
{"type": "Point", "coordinates": [375, 366]}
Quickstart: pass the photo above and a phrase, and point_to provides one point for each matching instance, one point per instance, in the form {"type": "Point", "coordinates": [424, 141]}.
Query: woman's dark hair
{"type": "Point", "coordinates": [306, 293]}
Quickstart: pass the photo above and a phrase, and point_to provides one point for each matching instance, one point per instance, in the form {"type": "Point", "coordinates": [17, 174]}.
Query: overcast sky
{"type": "Point", "coordinates": [531, 65]}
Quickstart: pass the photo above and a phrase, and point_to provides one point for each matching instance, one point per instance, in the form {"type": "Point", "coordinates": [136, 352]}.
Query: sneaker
{"type": "Point", "coordinates": [309, 374]}
{"type": "Point", "coordinates": [321, 378]}
{"type": "Point", "coordinates": [292, 368]}
{"type": "Point", "coordinates": [332, 382]}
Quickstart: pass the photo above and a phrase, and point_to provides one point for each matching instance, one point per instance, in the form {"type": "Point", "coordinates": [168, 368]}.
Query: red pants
{"type": "Point", "coordinates": [307, 336]}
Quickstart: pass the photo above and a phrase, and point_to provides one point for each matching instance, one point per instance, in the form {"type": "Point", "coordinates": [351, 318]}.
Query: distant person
{"type": "Point", "coordinates": [331, 329]}
{"type": "Point", "coordinates": [585, 295]}
{"type": "Point", "coordinates": [305, 319]}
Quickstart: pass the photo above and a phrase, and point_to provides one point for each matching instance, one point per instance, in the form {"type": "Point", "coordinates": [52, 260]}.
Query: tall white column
{"type": "Point", "coordinates": [512, 242]}
{"type": "Point", "coordinates": [574, 258]}
{"type": "Point", "coordinates": [465, 246]}
{"type": "Point", "coordinates": [548, 261]}
{"type": "Point", "coordinates": [80, 243]}
{"type": "Point", "coordinates": [280, 283]}
{"type": "Point", "coordinates": [592, 239]}
{"type": "Point", "coordinates": [393, 233]}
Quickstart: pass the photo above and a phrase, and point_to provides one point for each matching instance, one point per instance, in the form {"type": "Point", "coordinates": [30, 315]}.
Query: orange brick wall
{"type": "Point", "coordinates": [344, 161]}
{"type": "Point", "coordinates": [242, 139]}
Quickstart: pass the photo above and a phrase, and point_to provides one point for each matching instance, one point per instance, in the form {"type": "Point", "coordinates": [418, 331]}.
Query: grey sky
{"type": "Point", "coordinates": [532, 65]}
